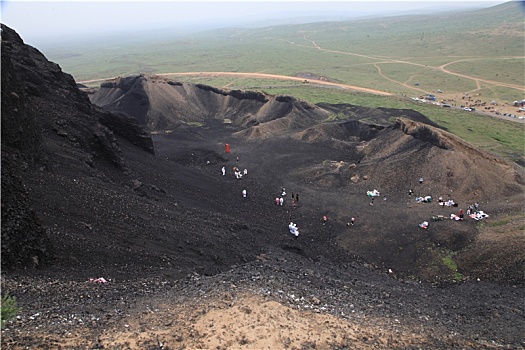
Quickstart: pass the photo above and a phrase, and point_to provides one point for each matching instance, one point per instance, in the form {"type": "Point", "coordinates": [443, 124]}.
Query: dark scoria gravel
{"type": "Point", "coordinates": [482, 314]}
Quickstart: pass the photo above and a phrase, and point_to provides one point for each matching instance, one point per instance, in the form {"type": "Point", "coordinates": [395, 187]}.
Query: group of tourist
{"type": "Point", "coordinates": [472, 211]}
{"type": "Point", "coordinates": [279, 200]}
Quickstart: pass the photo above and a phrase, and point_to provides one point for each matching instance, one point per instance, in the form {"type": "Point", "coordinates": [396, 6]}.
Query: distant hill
{"type": "Point", "coordinates": [480, 33]}
{"type": "Point", "coordinates": [161, 104]}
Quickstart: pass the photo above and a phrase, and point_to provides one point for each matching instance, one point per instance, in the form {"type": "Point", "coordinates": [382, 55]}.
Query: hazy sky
{"type": "Point", "coordinates": [41, 21]}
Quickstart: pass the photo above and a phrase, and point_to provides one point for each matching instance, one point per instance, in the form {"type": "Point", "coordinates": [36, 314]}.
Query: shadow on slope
{"type": "Point", "coordinates": [161, 104]}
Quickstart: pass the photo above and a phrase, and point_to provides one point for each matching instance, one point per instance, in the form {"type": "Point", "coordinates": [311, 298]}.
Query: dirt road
{"type": "Point", "coordinates": [383, 60]}
{"type": "Point", "coordinates": [280, 77]}
{"type": "Point", "coordinates": [259, 76]}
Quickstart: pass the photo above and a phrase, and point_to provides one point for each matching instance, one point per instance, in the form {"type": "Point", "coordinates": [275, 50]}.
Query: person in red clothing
{"type": "Point", "coordinates": [324, 219]}
{"type": "Point", "coordinates": [460, 214]}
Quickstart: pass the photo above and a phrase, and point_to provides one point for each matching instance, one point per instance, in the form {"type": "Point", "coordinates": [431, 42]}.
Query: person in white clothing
{"type": "Point", "coordinates": [244, 193]}
{"type": "Point", "coordinates": [245, 171]}
{"type": "Point", "coordinates": [281, 201]}
{"type": "Point", "coordinates": [223, 171]}
{"type": "Point", "coordinates": [293, 229]}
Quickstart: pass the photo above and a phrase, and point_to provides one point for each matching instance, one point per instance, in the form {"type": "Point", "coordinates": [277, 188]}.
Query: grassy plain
{"type": "Point", "coordinates": [392, 52]}
{"type": "Point", "coordinates": [480, 53]}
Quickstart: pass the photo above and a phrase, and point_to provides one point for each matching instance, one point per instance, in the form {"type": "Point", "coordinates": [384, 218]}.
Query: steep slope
{"type": "Point", "coordinates": [24, 241]}
{"type": "Point", "coordinates": [161, 104]}
{"type": "Point", "coordinates": [32, 136]}
{"type": "Point", "coordinates": [61, 158]}
{"type": "Point", "coordinates": [389, 154]}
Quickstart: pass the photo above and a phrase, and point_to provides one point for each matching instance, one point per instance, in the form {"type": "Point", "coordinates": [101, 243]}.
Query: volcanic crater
{"type": "Point", "coordinates": [125, 183]}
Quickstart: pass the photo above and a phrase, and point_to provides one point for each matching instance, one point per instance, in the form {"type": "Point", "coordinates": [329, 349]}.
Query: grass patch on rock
{"type": "Point", "coordinates": [449, 262]}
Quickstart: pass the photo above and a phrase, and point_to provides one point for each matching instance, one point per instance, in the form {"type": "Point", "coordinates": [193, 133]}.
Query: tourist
{"type": "Point", "coordinates": [294, 230]}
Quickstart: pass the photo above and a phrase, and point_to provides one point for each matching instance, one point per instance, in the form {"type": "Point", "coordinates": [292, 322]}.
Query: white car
{"type": "Point", "coordinates": [467, 109]}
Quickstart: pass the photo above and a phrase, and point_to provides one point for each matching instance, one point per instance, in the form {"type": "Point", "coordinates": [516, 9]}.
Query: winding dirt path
{"type": "Point", "coordinates": [381, 60]}
{"type": "Point", "coordinates": [442, 68]}
{"type": "Point", "coordinates": [477, 80]}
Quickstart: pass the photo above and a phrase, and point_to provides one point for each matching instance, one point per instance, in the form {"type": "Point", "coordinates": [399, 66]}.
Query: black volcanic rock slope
{"type": "Point", "coordinates": [24, 241]}
{"type": "Point", "coordinates": [161, 104]}
{"type": "Point", "coordinates": [48, 122]}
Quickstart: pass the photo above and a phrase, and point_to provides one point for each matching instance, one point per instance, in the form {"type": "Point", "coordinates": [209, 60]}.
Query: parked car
{"type": "Point", "coordinates": [467, 109]}
{"type": "Point", "coordinates": [446, 105]}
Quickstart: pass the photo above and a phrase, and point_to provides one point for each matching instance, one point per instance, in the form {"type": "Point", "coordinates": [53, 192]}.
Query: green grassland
{"type": "Point", "coordinates": [506, 70]}
{"type": "Point", "coordinates": [347, 51]}
{"type": "Point", "coordinates": [482, 50]}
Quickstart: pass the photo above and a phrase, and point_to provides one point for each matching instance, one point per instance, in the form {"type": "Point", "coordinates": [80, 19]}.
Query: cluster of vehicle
{"type": "Point", "coordinates": [431, 99]}
{"type": "Point", "coordinates": [514, 115]}
{"type": "Point", "coordinates": [425, 100]}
